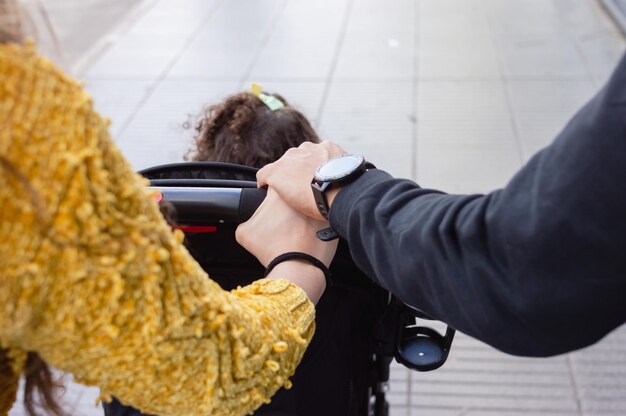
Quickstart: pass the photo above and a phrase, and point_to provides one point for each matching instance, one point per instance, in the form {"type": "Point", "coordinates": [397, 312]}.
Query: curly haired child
{"type": "Point", "coordinates": [249, 129]}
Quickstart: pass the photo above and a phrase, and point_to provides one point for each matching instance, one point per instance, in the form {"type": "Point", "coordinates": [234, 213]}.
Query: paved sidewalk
{"type": "Point", "coordinates": [456, 94]}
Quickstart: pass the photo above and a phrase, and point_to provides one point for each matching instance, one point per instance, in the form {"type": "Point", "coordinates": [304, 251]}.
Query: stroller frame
{"type": "Point", "coordinates": [208, 200]}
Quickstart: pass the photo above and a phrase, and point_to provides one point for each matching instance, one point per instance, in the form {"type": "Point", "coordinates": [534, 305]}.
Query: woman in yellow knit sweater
{"type": "Point", "coordinates": [94, 281]}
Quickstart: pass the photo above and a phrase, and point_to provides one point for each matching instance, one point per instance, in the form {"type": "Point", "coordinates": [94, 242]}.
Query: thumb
{"type": "Point", "coordinates": [263, 174]}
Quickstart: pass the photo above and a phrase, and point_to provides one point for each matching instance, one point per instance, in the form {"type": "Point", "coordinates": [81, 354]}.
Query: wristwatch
{"type": "Point", "coordinates": [336, 172]}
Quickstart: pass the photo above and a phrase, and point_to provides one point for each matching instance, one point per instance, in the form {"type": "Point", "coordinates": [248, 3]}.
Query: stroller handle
{"type": "Point", "coordinates": [250, 200]}
{"type": "Point", "coordinates": [209, 206]}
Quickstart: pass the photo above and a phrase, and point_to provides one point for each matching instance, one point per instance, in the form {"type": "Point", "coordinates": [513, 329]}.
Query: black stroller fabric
{"type": "Point", "coordinates": [332, 378]}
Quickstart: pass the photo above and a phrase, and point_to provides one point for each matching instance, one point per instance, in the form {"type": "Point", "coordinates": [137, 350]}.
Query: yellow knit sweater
{"type": "Point", "coordinates": [93, 279]}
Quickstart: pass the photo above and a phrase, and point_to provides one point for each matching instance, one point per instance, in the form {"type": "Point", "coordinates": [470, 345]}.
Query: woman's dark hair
{"type": "Point", "coordinates": [243, 130]}
{"type": "Point", "coordinates": [41, 388]}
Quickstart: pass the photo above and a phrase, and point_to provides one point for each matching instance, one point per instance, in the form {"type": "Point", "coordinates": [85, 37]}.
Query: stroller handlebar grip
{"type": "Point", "coordinates": [250, 200]}
{"type": "Point", "coordinates": [208, 206]}
{"type": "Point", "coordinates": [200, 206]}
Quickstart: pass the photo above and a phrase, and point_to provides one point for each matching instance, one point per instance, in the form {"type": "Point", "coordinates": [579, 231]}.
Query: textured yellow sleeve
{"type": "Point", "coordinates": [93, 279]}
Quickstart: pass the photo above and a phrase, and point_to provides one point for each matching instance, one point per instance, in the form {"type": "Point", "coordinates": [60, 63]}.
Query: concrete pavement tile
{"type": "Point", "coordinates": [466, 168]}
{"type": "Point", "coordinates": [559, 392]}
{"type": "Point", "coordinates": [607, 367]}
{"type": "Point", "coordinates": [296, 57]}
{"type": "Point", "coordinates": [156, 134]}
{"type": "Point", "coordinates": [79, 24]}
{"type": "Point", "coordinates": [459, 60]}
{"type": "Point", "coordinates": [549, 95]}
{"type": "Point", "coordinates": [368, 17]}
{"type": "Point", "coordinates": [462, 105]}
{"type": "Point", "coordinates": [451, 8]}
{"type": "Point", "coordinates": [603, 400]}
{"type": "Point", "coordinates": [486, 376]}
{"type": "Point", "coordinates": [603, 413]}
{"type": "Point", "coordinates": [504, 366]}
{"type": "Point", "coordinates": [212, 65]}
{"type": "Point", "coordinates": [379, 42]}
{"type": "Point", "coordinates": [312, 18]}
{"type": "Point", "coordinates": [469, 52]}
{"type": "Point", "coordinates": [457, 23]}
{"type": "Point", "coordinates": [239, 21]}
{"type": "Point", "coordinates": [376, 113]}
{"type": "Point", "coordinates": [87, 402]}
{"type": "Point", "coordinates": [148, 63]}
{"type": "Point", "coordinates": [541, 109]}
{"type": "Point", "coordinates": [397, 399]}
{"type": "Point", "coordinates": [173, 18]}
{"type": "Point", "coordinates": [377, 57]}
{"type": "Point", "coordinates": [486, 353]}
{"type": "Point", "coordinates": [473, 29]}
{"type": "Point", "coordinates": [601, 54]}
{"type": "Point", "coordinates": [502, 412]}
{"type": "Point", "coordinates": [529, 14]}
{"type": "Point", "coordinates": [399, 386]}
{"type": "Point", "coordinates": [531, 56]}
{"type": "Point", "coordinates": [541, 126]}
{"type": "Point", "coordinates": [399, 411]}
{"type": "Point", "coordinates": [495, 402]}
{"type": "Point", "coordinates": [152, 44]}
{"type": "Point", "coordinates": [117, 99]}
{"type": "Point", "coordinates": [399, 372]}
{"type": "Point", "coordinates": [583, 19]}
{"type": "Point", "coordinates": [483, 368]}
{"type": "Point", "coordinates": [434, 411]}
{"type": "Point", "coordinates": [229, 41]}
{"type": "Point", "coordinates": [468, 137]}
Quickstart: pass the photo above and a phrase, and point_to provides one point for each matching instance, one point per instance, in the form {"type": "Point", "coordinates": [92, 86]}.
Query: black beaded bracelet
{"type": "Point", "coordinates": [296, 255]}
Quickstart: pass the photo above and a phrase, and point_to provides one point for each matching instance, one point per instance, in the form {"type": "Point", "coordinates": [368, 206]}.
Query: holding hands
{"type": "Point", "coordinates": [291, 175]}
{"type": "Point", "coordinates": [275, 229]}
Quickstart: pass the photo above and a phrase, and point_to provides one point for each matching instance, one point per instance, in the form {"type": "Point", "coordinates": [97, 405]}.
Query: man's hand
{"type": "Point", "coordinates": [291, 175]}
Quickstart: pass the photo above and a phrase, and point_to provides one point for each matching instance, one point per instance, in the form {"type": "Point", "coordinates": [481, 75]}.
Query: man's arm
{"type": "Point", "coordinates": [537, 268]}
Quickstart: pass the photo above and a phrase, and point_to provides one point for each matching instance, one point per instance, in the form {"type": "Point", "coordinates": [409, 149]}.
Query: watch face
{"type": "Point", "coordinates": [339, 167]}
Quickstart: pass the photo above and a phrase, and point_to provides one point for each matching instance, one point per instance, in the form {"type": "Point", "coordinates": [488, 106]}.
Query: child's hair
{"type": "Point", "coordinates": [243, 130]}
{"type": "Point", "coordinates": [11, 25]}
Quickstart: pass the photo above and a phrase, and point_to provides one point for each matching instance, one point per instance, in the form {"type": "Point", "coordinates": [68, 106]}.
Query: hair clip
{"type": "Point", "coordinates": [270, 101]}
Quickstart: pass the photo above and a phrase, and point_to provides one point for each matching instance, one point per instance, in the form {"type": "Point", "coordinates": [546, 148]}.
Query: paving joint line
{"type": "Point", "coordinates": [263, 44]}
{"type": "Point", "coordinates": [505, 90]}
{"type": "Point", "coordinates": [565, 29]}
{"type": "Point", "coordinates": [574, 384]}
{"type": "Point", "coordinates": [331, 72]}
{"type": "Point", "coordinates": [153, 85]}
{"type": "Point", "coordinates": [415, 89]}
{"type": "Point", "coordinates": [82, 64]}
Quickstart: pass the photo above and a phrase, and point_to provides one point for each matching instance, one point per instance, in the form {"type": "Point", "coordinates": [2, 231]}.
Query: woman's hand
{"type": "Point", "coordinates": [274, 229]}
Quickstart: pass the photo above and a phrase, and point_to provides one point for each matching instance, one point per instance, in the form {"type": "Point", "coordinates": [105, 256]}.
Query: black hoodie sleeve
{"type": "Point", "coordinates": [537, 268]}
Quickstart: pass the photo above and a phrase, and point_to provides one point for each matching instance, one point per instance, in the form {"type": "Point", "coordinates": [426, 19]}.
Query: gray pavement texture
{"type": "Point", "coordinates": [456, 94]}
{"type": "Point", "coordinates": [81, 25]}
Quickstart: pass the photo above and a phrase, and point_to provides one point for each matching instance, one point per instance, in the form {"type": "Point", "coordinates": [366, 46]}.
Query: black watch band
{"type": "Point", "coordinates": [339, 171]}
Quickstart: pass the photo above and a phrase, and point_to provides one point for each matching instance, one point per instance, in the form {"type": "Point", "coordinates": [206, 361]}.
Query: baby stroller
{"type": "Point", "coordinates": [360, 326]}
